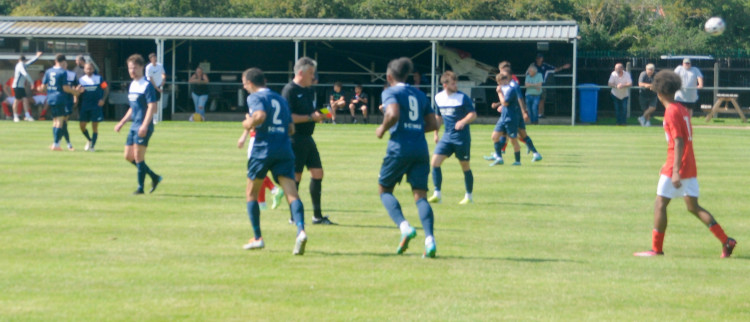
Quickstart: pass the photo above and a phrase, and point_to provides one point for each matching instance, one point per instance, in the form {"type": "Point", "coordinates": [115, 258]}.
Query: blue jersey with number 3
{"type": "Point", "coordinates": [407, 135]}
{"type": "Point", "coordinates": [272, 136]}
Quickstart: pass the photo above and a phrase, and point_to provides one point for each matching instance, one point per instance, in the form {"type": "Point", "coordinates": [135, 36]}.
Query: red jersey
{"type": "Point", "coordinates": [9, 84]}
{"type": "Point", "coordinates": [677, 125]}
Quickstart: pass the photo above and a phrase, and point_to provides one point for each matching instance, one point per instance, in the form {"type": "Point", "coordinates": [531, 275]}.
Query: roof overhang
{"type": "Point", "coordinates": [286, 29]}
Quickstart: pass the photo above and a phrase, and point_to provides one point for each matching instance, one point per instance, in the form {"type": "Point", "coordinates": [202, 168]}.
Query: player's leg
{"type": "Point", "coordinates": [83, 121]}
{"type": "Point", "coordinates": [391, 173]}
{"type": "Point", "coordinates": [516, 150]}
{"type": "Point", "coordinates": [468, 182]}
{"type": "Point", "coordinates": [498, 139]}
{"type": "Point", "coordinates": [417, 177]}
{"type": "Point", "coordinates": [141, 145]}
{"type": "Point", "coordinates": [316, 185]}
{"type": "Point", "coordinates": [27, 107]}
{"type": "Point", "coordinates": [95, 129]}
{"type": "Point", "coordinates": [283, 173]}
{"type": "Point", "coordinates": [253, 211]}
{"type": "Point", "coordinates": [16, 102]}
{"type": "Point", "coordinates": [56, 133]}
{"type": "Point", "coordinates": [65, 132]}
{"type": "Point", "coordinates": [691, 200]}
{"type": "Point", "coordinates": [524, 136]}
{"type": "Point", "coordinates": [665, 192]}
{"type": "Point", "coordinates": [441, 153]}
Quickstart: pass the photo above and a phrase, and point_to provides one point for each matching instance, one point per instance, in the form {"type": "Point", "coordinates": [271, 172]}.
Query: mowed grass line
{"type": "Point", "coordinates": [545, 241]}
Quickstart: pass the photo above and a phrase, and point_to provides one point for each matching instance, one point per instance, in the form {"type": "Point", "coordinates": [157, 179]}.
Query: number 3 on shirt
{"type": "Point", "coordinates": [276, 110]}
{"type": "Point", "coordinates": [413, 108]}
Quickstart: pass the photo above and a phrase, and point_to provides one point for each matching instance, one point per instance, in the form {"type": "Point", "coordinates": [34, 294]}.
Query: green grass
{"type": "Point", "coordinates": [546, 241]}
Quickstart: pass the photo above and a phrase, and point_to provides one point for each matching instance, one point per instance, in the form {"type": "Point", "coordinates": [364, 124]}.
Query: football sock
{"type": "Point", "coordinates": [267, 183]}
{"type": "Point", "coordinates": [393, 207]}
{"type": "Point", "coordinates": [469, 181]}
{"type": "Point", "coordinates": [719, 233]}
{"type": "Point", "coordinates": [253, 211]}
{"type": "Point", "coordinates": [135, 164]}
{"type": "Point", "coordinates": [429, 240]}
{"type": "Point", "coordinates": [657, 241]}
{"type": "Point", "coordinates": [426, 216]}
{"type": "Point", "coordinates": [141, 173]}
{"type": "Point", "coordinates": [56, 135]}
{"type": "Point", "coordinates": [437, 177]}
{"type": "Point", "coordinates": [93, 139]}
{"type": "Point", "coordinates": [86, 134]}
{"type": "Point", "coordinates": [315, 191]}
{"type": "Point", "coordinates": [65, 131]}
{"type": "Point", "coordinates": [404, 227]}
{"type": "Point", "coordinates": [530, 144]}
{"type": "Point", "coordinates": [517, 155]}
{"type": "Point", "coordinates": [499, 147]}
{"type": "Point", "coordinates": [298, 214]}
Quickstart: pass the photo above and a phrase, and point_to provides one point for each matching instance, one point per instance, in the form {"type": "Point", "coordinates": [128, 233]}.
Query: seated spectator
{"type": "Point", "coordinates": [336, 100]}
{"type": "Point", "coordinates": [359, 101]}
{"type": "Point", "coordinates": [40, 96]}
{"type": "Point", "coordinates": [199, 82]}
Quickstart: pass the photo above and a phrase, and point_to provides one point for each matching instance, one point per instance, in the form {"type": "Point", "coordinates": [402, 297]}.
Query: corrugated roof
{"type": "Point", "coordinates": [286, 29]}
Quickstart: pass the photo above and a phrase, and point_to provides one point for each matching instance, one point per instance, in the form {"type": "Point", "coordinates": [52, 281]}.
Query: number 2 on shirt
{"type": "Point", "coordinates": [276, 110]}
{"type": "Point", "coordinates": [413, 108]}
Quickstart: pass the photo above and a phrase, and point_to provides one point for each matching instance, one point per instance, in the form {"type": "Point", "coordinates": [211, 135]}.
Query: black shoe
{"type": "Point", "coordinates": [138, 192]}
{"type": "Point", "coordinates": [322, 221]}
{"type": "Point", "coordinates": [354, 120]}
{"type": "Point", "coordinates": [154, 183]}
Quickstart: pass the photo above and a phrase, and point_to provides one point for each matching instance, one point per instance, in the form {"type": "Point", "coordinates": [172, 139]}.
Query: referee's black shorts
{"type": "Point", "coordinates": [305, 153]}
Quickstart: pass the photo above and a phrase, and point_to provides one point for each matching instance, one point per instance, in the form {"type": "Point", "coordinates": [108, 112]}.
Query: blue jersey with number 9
{"type": "Point", "coordinates": [272, 136]}
{"type": "Point", "coordinates": [407, 135]}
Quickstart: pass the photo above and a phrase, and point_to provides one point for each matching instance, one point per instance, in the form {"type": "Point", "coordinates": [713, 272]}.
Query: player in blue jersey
{"type": "Point", "coordinates": [94, 93]}
{"type": "Point", "coordinates": [507, 124]}
{"type": "Point", "coordinates": [407, 117]}
{"type": "Point", "coordinates": [71, 98]}
{"type": "Point", "coordinates": [456, 110]}
{"type": "Point", "coordinates": [55, 82]}
{"type": "Point", "coordinates": [270, 117]}
{"type": "Point", "coordinates": [142, 98]}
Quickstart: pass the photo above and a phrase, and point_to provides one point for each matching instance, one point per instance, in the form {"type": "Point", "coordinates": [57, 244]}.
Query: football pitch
{"type": "Point", "coordinates": [551, 240]}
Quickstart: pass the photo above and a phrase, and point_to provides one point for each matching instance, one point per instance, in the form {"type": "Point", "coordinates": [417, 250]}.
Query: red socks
{"type": "Point", "coordinates": [267, 184]}
{"type": "Point", "coordinates": [657, 241]}
{"type": "Point", "coordinates": [719, 233]}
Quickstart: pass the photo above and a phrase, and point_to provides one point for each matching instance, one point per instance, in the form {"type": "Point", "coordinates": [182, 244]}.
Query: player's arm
{"type": "Point", "coordinates": [304, 118]}
{"type": "Point", "coordinates": [566, 66]}
{"type": "Point", "coordinates": [124, 120]}
{"type": "Point", "coordinates": [163, 81]}
{"type": "Point", "coordinates": [243, 137]}
{"type": "Point", "coordinates": [430, 123]}
{"type": "Point", "coordinates": [439, 121]}
{"type": "Point", "coordinates": [147, 119]}
{"type": "Point", "coordinates": [70, 90]}
{"type": "Point", "coordinates": [390, 118]}
{"type": "Point", "coordinates": [292, 129]}
{"type": "Point", "coordinates": [679, 146]}
{"type": "Point", "coordinates": [470, 117]}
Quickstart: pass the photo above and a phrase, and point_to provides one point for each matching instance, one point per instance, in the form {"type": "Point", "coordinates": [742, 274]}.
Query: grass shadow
{"type": "Point", "coordinates": [173, 195]}
{"type": "Point", "coordinates": [439, 257]}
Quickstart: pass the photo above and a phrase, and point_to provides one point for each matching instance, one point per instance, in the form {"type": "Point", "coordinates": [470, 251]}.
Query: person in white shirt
{"type": "Point", "coordinates": [20, 78]}
{"type": "Point", "coordinates": [620, 81]}
{"type": "Point", "coordinates": [156, 75]}
{"type": "Point", "coordinates": [692, 81]}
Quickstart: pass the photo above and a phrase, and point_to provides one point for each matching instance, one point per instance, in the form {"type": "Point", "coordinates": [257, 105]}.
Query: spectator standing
{"type": "Point", "coordinates": [620, 81]}
{"type": "Point", "coordinates": [692, 81]}
{"type": "Point", "coordinates": [20, 77]}
{"type": "Point", "coordinates": [546, 70]}
{"type": "Point", "coordinates": [156, 75]}
{"type": "Point", "coordinates": [533, 84]}
{"type": "Point", "coordinates": [199, 82]}
{"type": "Point", "coordinates": [647, 97]}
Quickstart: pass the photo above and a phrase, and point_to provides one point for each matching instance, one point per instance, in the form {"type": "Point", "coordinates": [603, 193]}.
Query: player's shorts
{"type": "Point", "coordinates": [305, 154]}
{"type": "Point", "coordinates": [510, 128]}
{"type": "Point", "coordinates": [57, 111]}
{"type": "Point", "coordinates": [665, 188]}
{"type": "Point", "coordinates": [647, 102]}
{"type": "Point", "coordinates": [68, 109]}
{"type": "Point", "coordinates": [133, 137]}
{"type": "Point", "coordinates": [258, 168]}
{"type": "Point", "coordinates": [462, 151]}
{"type": "Point", "coordinates": [416, 169]}
{"type": "Point", "coordinates": [20, 92]}
{"type": "Point", "coordinates": [521, 122]}
{"type": "Point", "coordinates": [91, 115]}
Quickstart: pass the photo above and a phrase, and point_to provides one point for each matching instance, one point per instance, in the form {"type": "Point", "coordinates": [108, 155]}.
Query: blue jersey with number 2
{"type": "Point", "coordinates": [272, 136]}
{"type": "Point", "coordinates": [407, 135]}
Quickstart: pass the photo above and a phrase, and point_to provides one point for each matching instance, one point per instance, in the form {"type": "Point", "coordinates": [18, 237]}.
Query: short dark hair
{"type": "Point", "coordinates": [357, 85]}
{"type": "Point", "coordinates": [667, 83]}
{"type": "Point", "coordinates": [503, 75]}
{"type": "Point", "coordinates": [136, 59]}
{"type": "Point", "coordinates": [22, 57]}
{"type": "Point", "coordinates": [503, 64]}
{"type": "Point", "coordinates": [255, 75]}
{"type": "Point", "coordinates": [339, 84]}
{"type": "Point", "coordinates": [400, 68]}
{"type": "Point", "coordinates": [447, 76]}
{"type": "Point", "coordinates": [151, 55]}
{"type": "Point", "coordinates": [59, 58]}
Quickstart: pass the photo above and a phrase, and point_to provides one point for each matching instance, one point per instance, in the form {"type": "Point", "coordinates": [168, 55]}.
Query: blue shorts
{"type": "Point", "coordinates": [258, 168]}
{"type": "Point", "coordinates": [57, 111]}
{"type": "Point", "coordinates": [68, 110]}
{"type": "Point", "coordinates": [133, 137]}
{"type": "Point", "coordinates": [510, 128]}
{"type": "Point", "coordinates": [521, 123]}
{"type": "Point", "coordinates": [416, 169]}
{"type": "Point", "coordinates": [462, 151]}
{"type": "Point", "coordinates": [92, 115]}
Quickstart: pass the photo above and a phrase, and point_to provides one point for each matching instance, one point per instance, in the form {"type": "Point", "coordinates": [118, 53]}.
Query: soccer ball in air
{"type": "Point", "coordinates": [715, 26]}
